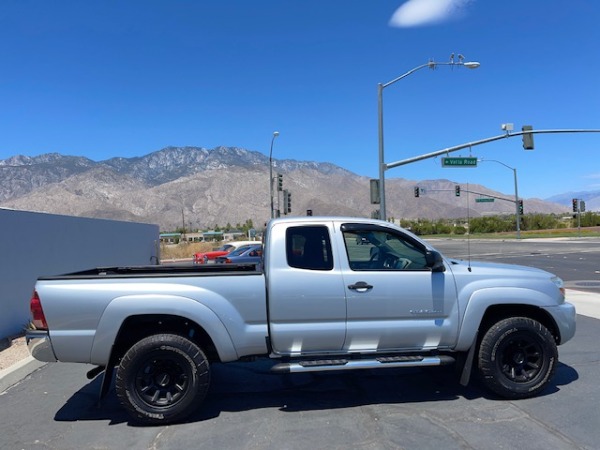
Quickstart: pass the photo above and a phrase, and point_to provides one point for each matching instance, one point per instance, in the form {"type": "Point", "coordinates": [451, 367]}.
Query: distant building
{"type": "Point", "coordinates": [170, 238]}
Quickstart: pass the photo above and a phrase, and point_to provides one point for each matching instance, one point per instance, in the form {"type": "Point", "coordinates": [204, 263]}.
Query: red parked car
{"type": "Point", "coordinates": [205, 257]}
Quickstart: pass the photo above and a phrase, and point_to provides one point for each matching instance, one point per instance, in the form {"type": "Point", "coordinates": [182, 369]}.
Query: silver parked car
{"type": "Point", "coordinates": [245, 254]}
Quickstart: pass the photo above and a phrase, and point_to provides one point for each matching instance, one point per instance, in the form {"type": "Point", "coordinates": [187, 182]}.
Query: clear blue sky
{"type": "Point", "coordinates": [125, 78]}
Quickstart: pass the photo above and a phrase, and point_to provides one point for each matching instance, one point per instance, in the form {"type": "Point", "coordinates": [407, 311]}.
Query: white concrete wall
{"type": "Point", "coordinates": [36, 244]}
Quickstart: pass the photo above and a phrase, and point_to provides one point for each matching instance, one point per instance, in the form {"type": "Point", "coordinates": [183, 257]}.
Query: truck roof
{"type": "Point", "coordinates": [322, 219]}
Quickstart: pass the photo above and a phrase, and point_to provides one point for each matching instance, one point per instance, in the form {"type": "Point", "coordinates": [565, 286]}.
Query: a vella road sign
{"type": "Point", "coordinates": [459, 162]}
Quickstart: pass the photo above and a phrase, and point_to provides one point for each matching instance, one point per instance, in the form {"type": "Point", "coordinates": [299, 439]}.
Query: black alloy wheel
{"type": "Point", "coordinates": [517, 357]}
{"type": "Point", "coordinates": [162, 379]}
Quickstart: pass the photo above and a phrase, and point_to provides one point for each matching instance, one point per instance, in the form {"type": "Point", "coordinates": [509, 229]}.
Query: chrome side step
{"type": "Point", "coordinates": [383, 362]}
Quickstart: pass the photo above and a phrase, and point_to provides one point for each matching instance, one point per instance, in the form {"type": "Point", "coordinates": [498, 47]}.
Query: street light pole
{"type": "Point", "coordinates": [517, 209]}
{"type": "Point", "coordinates": [517, 213]}
{"type": "Point", "coordinates": [275, 134]}
{"type": "Point", "coordinates": [380, 87]}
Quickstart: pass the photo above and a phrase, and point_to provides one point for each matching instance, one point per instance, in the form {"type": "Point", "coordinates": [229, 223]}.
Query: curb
{"type": "Point", "coordinates": [18, 371]}
{"type": "Point", "coordinates": [586, 303]}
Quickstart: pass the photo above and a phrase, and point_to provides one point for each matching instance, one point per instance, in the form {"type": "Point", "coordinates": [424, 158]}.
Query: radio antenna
{"type": "Point", "coordinates": [468, 228]}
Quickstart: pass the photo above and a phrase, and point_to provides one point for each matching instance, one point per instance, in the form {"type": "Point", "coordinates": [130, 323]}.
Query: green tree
{"type": "Point", "coordinates": [491, 224]}
{"type": "Point", "coordinates": [590, 219]}
{"type": "Point", "coordinates": [247, 226]}
{"type": "Point", "coordinates": [442, 227]}
{"type": "Point", "coordinates": [459, 230]}
{"type": "Point", "coordinates": [422, 227]}
{"type": "Point", "coordinates": [404, 223]}
{"type": "Point", "coordinates": [539, 221]}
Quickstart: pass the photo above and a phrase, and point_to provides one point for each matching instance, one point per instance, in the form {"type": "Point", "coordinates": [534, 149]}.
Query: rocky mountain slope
{"type": "Point", "coordinates": [591, 199]}
{"type": "Point", "coordinates": [199, 188]}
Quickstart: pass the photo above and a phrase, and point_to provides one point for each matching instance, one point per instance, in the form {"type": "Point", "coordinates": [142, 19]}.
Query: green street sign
{"type": "Point", "coordinates": [459, 162]}
{"type": "Point", "coordinates": [483, 200]}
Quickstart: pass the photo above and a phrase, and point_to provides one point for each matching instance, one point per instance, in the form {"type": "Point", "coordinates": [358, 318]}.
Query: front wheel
{"type": "Point", "coordinates": [517, 357]}
{"type": "Point", "coordinates": [162, 378]}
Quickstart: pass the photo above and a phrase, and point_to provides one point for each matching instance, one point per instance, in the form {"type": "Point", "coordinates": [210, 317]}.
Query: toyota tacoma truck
{"type": "Point", "coordinates": [331, 294]}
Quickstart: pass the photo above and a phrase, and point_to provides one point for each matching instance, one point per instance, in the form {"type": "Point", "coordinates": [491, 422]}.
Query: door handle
{"type": "Point", "coordinates": [360, 286]}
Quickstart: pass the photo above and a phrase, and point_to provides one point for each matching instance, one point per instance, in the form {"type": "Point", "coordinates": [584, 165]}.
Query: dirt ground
{"type": "Point", "coordinates": [12, 350]}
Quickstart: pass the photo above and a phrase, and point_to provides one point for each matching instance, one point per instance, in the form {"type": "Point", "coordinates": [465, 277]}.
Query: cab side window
{"type": "Point", "coordinates": [309, 247]}
{"type": "Point", "coordinates": [379, 249]}
{"type": "Point", "coordinates": [361, 252]}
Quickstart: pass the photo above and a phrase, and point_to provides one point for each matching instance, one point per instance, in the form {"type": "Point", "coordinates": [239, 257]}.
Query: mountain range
{"type": "Point", "coordinates": [591, 199]}
{"type": "Point", "coordinates": [199, 188]}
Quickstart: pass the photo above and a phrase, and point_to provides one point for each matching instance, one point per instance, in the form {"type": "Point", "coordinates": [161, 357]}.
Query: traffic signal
{"type": "Point", "coordinates": [287, 201]}
{"type": "Point", "coordinates": [582, 206]}
{"type": "Point", "coordinates": [374, 191]}
{"type": "Point", "coordinates": [520, 207]}
{"type": "Point", "coordinates": [309, 212]}
{"type": "Point", "coordinates": [457, 190]}
{"type": "Point", "coordinates": [527, 137]}
{"type": "Point", "coordinates": [575, 208]}
{"type": "Point", "coordinates": [417, 191]}
{"type": "Point", "coordinates": [279, 182]}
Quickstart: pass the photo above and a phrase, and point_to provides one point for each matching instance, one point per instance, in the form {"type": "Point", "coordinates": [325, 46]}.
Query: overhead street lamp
{"type": "Point", "coordinates": [275, 134]}
{"type": "Point", "coordinates": [382, 166]}
{"type": "Point", "coordinates": [517, 211]}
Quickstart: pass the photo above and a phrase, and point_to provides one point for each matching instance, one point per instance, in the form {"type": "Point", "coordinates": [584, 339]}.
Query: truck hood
{"type": "Point", "coordinates": [495, 269]}
{"type": "Point", "coordinates": [477, 275]}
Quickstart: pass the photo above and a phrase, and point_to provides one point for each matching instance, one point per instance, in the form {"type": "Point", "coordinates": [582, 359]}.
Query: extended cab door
{"type": "Point", "coordinates": [306, 295]}
{"type": "Point", "coordinates": [394, 299]}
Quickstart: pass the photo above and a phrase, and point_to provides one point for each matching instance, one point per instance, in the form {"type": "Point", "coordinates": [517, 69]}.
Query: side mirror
{"type": "Point", "coordinates": [435, 261]}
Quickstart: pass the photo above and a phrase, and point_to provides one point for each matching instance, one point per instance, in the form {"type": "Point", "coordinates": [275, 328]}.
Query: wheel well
{"type": "Point", "coordinates": [496, 313]}
{"type": "Point", "coordinates": [135, 328]}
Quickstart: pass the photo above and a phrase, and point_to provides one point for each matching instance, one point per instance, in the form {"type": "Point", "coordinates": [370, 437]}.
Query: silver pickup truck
{"type": "Point", "coordinates": [331, 294]}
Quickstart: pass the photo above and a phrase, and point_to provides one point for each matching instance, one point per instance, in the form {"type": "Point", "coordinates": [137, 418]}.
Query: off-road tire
{"type": "Point", "coordinates": [162, 379]}
{"type": "Point", "coordinates": [517, 357]}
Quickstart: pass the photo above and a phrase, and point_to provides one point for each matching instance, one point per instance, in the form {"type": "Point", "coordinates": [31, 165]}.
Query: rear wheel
{"type": "Point", "coordinates": [162, 378]}
{"type": "Point", "coordinates": [517, 357]}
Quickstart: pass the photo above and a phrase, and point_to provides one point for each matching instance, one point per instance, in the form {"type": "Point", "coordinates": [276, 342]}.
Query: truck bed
{"type": "Point", "coordinates": [161, 271]}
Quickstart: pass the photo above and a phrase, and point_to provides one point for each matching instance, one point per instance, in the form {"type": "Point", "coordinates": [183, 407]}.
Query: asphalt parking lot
{"type": "Point", "coordinates": [55, 407]}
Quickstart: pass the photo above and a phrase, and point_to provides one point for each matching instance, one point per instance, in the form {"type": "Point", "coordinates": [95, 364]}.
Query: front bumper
{"type": "Point", "coordinates": [565, 317]}
{"type": "Point", "coordinates": [40, 346]}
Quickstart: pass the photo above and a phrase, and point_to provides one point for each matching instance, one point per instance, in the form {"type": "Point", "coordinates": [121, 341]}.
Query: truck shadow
{"type": "Point", "coordinates": [237, 387]}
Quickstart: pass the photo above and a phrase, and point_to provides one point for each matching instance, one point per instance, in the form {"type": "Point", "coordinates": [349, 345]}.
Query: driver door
{"type": "Point", "coordinates": [394, 300]}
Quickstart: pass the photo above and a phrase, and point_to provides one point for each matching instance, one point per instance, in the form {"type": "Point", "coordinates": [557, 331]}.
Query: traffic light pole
{"type": "Point", "coordinates": [527, 144]}
{"type": "Point", "coordinates": [517, 206]}
{"type": "Point", "coordinates": [275, 134]}
{"type": "Point", "coordinates": [577, 210]}
{"type": "Point", "coordinates": [517, 203]}
{"type": "Point", "coordinates": [508, 134]}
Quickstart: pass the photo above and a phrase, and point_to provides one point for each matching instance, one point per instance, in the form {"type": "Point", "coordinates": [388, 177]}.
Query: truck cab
{"type": "Point", "coordinates": [350, 286]}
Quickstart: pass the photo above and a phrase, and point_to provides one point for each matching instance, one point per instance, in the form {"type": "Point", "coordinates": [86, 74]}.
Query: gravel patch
{"type": "Point", "coordinates": [12, 350]}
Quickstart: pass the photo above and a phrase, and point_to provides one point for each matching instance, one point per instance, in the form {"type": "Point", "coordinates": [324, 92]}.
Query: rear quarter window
{"type": "Point", "coordinates": [309, 247]}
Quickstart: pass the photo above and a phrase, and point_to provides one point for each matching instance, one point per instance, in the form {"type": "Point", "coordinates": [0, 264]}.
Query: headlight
{"type": "Point", "coordinates": [561, 287]}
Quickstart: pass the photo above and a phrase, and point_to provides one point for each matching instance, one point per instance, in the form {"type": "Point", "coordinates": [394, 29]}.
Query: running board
{"type": "Point", "coordinates": [383, 362]}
